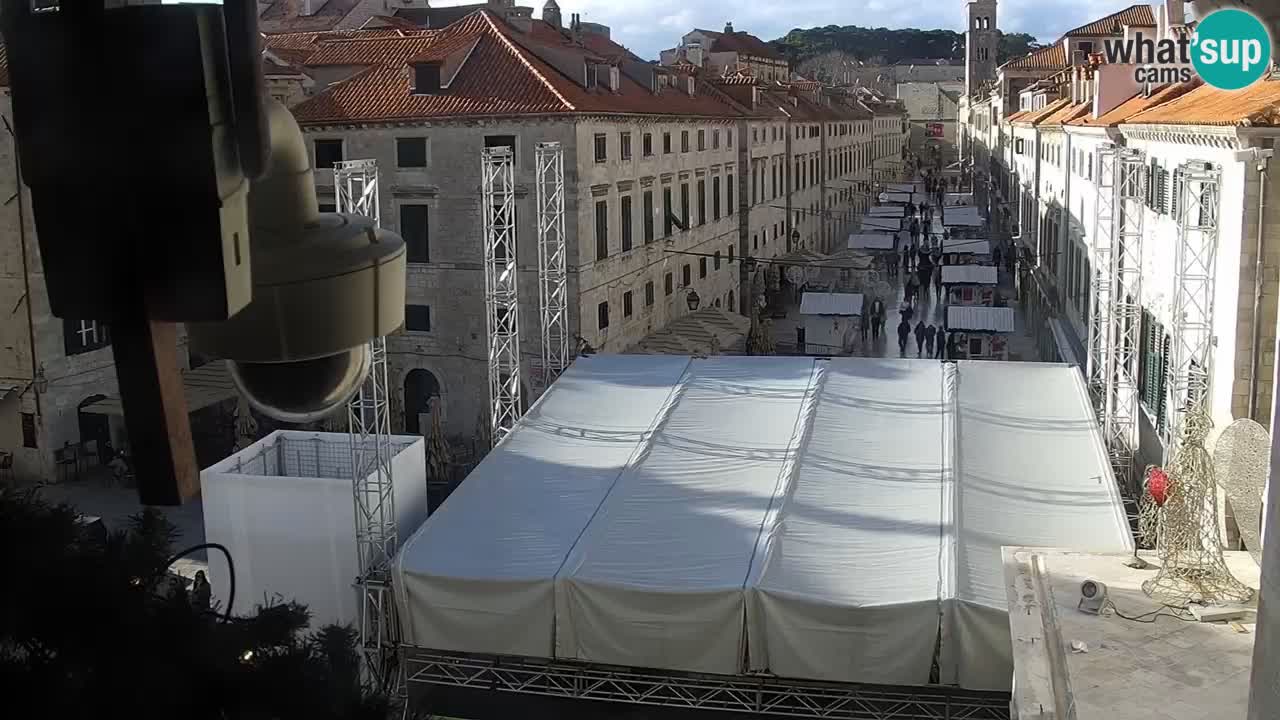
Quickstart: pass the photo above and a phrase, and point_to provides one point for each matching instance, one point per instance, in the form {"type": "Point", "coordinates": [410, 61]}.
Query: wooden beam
{"type": "Point", "coordinates": [155, 404]}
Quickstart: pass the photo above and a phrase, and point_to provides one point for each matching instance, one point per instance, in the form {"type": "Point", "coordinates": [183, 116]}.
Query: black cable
{"type": "Point", "coordinates": [231, 570]}
{"type": "Point", "coordinates": [1162, 611]}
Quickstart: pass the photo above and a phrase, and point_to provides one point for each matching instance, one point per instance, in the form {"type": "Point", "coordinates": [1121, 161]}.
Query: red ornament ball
{"type": "Point", "coordinates": [1158, 485]}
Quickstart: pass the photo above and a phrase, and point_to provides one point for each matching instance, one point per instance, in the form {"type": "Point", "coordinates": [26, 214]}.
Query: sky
{"type": "Point", "coordinates": [648, 26]}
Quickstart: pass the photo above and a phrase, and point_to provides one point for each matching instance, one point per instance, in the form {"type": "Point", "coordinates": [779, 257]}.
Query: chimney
{"type": "Point", "coordinates": [575, 28]}
{"type": "Point", "coordinates": [308, 7]}
{"type": "Point", "coordinates": [755, 97]}
{"type": "Point", "coordinates": [690, 85]}
{"type": "Point", "coordinates": [1175, 12]}
{"type": "Point", "coordinates": [551, 14]}
{"type": "Point", "coordinates": [728, 28]}
{"type": "Point", "coordinates": [693, 53]}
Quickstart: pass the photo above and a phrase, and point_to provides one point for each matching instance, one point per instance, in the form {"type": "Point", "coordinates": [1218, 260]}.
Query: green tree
{"type": "Point", "coordinates": [893, 45]}
{"type": "Point", "coordinates": [97, 628]}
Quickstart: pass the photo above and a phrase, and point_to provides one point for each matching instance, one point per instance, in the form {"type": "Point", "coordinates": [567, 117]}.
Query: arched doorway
{"type": "Point", "coordinates": [95, 427]}
{"type": "Point", "coordinates": [420, 388]}
{"type": "Point", "coordinates": [733, 307]}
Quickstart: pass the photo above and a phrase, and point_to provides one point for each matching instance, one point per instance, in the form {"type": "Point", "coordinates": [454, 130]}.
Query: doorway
{"type": "Point", "coordinates": [420, 388]}
{"type": "Point", "coordinates": [96, 428]}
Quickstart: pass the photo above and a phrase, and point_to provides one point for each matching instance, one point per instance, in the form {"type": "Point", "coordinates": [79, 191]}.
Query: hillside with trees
{"type": "Point", "coordinates": [884, 46]}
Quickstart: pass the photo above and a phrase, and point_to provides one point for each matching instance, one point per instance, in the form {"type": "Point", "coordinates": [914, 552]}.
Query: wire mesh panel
{"type": "Point", "coordinates": [500, 286]}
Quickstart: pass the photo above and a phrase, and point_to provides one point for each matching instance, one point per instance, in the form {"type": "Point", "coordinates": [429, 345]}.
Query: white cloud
{"type": "Point", "coordinates": [647, 26]}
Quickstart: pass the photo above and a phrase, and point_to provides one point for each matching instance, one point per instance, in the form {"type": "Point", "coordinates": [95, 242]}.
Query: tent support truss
{"type": "Point", "coordinates": [766, 696]}
{"type": "Point", "coordinates": [497, 173]}
{"type": "Point", "coordinates": [369, 426]}
{"type": "Point", "coordinates": [552, 273]}
{"type": "Point", "coordinates": [1191, 344]}
{"type": "Point", "coordinates": [1099, 361]}
{"type": "Point", "coordinates": [1126, 315]}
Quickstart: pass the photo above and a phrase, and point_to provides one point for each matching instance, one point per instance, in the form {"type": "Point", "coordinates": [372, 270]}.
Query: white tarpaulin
{"type": "Point", "coordinates": [479, 575]}
{"type": "Point", "coordinates": [871, 241]}
{"type": "Point", "coordinates": [813, 518]}
{"type": "Point", "coordinates": [872, 224]}
{"type": "Point", "coordinates": [895, 211]}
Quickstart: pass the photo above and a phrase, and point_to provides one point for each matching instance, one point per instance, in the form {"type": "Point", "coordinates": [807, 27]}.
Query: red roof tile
{"type": "Point", "coordinates": [1255, 106]}
{"type": "Point", "coordinates": [286, 16]}
{"type": "Point", "coordinates": [1067, 113]}
{"type": "Point", "coordinates": [1134, 15]}
{"type": "Point", "coordinates": [1135, 105]}
{"type": "Point", "coordinates": [744, 43]}
{"type": "Point", "coordinates": [1052, 57]}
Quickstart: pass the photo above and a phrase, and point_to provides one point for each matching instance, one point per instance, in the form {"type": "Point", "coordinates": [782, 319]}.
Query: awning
{"type": "Point", "coordinates": [978, 318]}
{"type": "Point", "coordinates": [204, 386]}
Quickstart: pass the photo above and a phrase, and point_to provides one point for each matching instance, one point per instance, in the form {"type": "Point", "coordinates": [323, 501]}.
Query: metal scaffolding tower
{"type": "Point", "coordinates": [1126, 315]}
{"type": "Point", "coordinates": [369, 425]}
{"type": "Point", "coordinates": [552, 273]}
{"type": "Point", "coordinates": [1100, 333]}
{"type": "Point", "coordinates": [497, 172]}
{"type": "Point", "coordinates": [1196, 190]}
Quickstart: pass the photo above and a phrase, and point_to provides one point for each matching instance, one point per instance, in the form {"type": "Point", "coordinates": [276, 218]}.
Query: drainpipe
{"type": "Point", "coordinates": [1262, 156]}
{"type": "Point", "coordinates": [1264, 691]}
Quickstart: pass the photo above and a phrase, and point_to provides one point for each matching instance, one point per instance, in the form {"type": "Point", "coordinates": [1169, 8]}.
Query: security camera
{"type": "Point", "coordinates": [324, 285]}
{"type": "Point", "coordinates": [1093, 596]}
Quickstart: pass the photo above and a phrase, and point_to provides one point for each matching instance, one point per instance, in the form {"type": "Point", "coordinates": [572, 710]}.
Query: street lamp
{"type": "Point", "coordinates": [693, 300]}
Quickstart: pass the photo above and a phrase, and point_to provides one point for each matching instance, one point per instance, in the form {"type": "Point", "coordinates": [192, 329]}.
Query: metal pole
{"type": "Point", "coordinates": [1256, 353]}
{"type": "Point", "coordinates": [1264, 690]}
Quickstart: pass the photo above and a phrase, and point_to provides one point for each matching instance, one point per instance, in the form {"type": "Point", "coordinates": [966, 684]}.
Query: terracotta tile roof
{"type": "Point", "coordinates": [744, 43]}
{"type": "Point", "coordinates": [1134, 15]}
{"type": "Point", "coordinates": [1255, 106]}
{"type": "Point", "coordinates": [1067, 113]}
{"type": "Point", "coordinates": [547, 33]}
{"type": "Point", "coordinates": [503, 74]}
{"type": "Point", "coordinates": [1053, 57]}
{"type": "Point", "coordinates": [1016, 116]}
{"type": "Point", "coordinates": [1035, 117]}
{"type": "Point", "coordinates": [285, 16]}
{"type": "Point", "coordinates": [1136, 104]}
{"type": "Point", "coordinates": [738, 79]}
{"type": "Point", "coordinates": [392, 21]}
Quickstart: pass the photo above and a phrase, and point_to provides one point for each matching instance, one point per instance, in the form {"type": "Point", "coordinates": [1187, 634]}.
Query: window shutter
{"type": "Point", "coordinates": [1175, 202]}
{"type": "Point", "coordinates": [1164, 376]}
{"type": "Point", "coordinates": [1162, 191]}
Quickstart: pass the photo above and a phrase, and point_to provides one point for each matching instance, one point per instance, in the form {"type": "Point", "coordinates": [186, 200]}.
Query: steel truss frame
{"type": "Point", "coordinates": [369, 428]}
{"type": "Point", "coordinates": [501, 298]}
{"type": "Point", "coordinates": [1126, 315]}
{"type": "Point", "coordinates": [1195, 272]}
{"type": "Point", "coordinates": [761, 695]}
{"type": "Point", "coordinates": [553, 276]}
{"type": "Point", "coordinates": [1100, 382]}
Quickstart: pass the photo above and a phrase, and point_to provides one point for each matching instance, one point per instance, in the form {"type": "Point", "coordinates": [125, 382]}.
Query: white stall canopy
{"type": "Point", "coordinates": [873, 224]}
{"type": "Point", "coordinates": [894, 211]}
{"type": "Point", "coordinates": [825, 519]}
{"type": "Point", "coordinates": [969, 274]}
{"type": "Point", "coordinates": [968, 246]}
{"type": "Point", "coordinates": [871, 241]}
{"type": "Point", "coordinates": [820, 303]}
{"type": "Point", "coordinates": [980, 318]}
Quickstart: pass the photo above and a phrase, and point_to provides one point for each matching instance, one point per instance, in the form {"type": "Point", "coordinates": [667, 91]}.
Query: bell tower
{"type": "Point", "coordinates": [980, 42]}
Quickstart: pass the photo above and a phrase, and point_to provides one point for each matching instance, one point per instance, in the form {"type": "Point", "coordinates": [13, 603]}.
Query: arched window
{"type": "Point", "coordinates": [732, 305]}
{"type": "Point", "coordinates": [420, 389]}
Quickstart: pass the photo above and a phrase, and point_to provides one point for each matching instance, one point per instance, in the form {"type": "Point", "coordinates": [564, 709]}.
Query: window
{"type": "Point", "coordinates": [646, 145]}
{"type": "Point", "coordinates": [29, 430]}
{"type": "Point", "coordinates": [702, 202]}
{"type": "Point", "coordinates": [729, 183]}
{"type": "Point", "coordinates": [1153, 365]}
{"type": "Point", "coordinates": [702, 140]}
{"type": "Point", "coordinates": [730, 253]}
{"type": "Point", "coordinates": [648, 294]}
{"type": "Point", "coordinates": [602, 229]}
{"type": "Point", "coordinates": [626, 223]}
{"type": "Point", "coordinates": [666, 212]}
{"type": "Point", "coordinates": [624, 145]}
{"type": "Point", "coordinates": [702, 268]}
{"type": "Point", "coordinates": [626, 304]}
{"type": "Point", "coordinates": [328, 152]}
{"type": "Point", "coordinates": [1089, 167]}
{"type": "Point", "coordinates": [414, 230]}
{"type": "Point", "coordinates": [715, 198]}
{"type": "Point", "coordinates": [684, 204]}
{"type": "Point", "coordinates": [495, 141]}
{"type": "Point", "coordinates": [666, 143]}
{"type": "Point", "coordinates": [411, 152]}
{"type": "Point", "coordinates": [686, 276]}
{"type": "Point", "coordinates": [602, 315]}
{"type": "Point", "coordinates": [417, 318]}
{"type": "Point", "coordinates": [716, 265]}
{"type": "Point", "coordinates": [1085, 47]}
{"type": "Point", "coordinates": [602, 147]}
{"type": "Point", "coordinates": [647, 209]}
{"type": "Point", "coordinates": [728, 138]}
{"type": "Point", "coordinates": [82, 336]}
{"type": "Point", "coordinates": [715, 139]}
{"type": "Point", "coordinates": [667, 286]}
{"type": "Point", "coordinates": [755, 241]}
{"type": "Point", "coordinates": [684, 141]}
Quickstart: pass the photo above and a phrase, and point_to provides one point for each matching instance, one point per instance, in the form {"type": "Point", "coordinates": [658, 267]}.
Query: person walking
{"type": "Point", "coordinates": [939, 344]}
{"type": "Point", "coordinates": [864, 325]}
{"type": "Point", "coordinates": [937, 281]}
{"type": "Point", "coordinates": [906, 258]}
{"type": "Point", "coordinates": [907, 312]}
{"type": "Point", "coordinates": [920, 333]}
{"type": "Point", "coordinates": [877, 318]}
{"type": "Point", "coordinates": [904, 331]}
{"type": "Point", "coordinates": [930, 333]}
{"type": "Point", "coordinates": [911, 287]}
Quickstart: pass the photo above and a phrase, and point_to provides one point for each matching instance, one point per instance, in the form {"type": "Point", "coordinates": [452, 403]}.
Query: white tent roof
{"type": "Point", "coordinates": [903, 187]}
{"type": "Point", "coordinates": [645, 506]}
{"type": "Point", "coordinates": [966, 245]}
{"type": "Point", "coordinates": [969, 274]}
{"type": "Point", "coordinates": [871, 223]}
{"type": "Point", "coordinates": [894, 211]}
{"type": "Point", "coordinates": [956, 199]}
{"type": "Point", "coordinates": [871, 241]}
{"type": "Point", "coordinates": [976, 317]}
{"type": "Point", "coordinates": [961, 216]}
{"type": "Point", "coordinates": [831, 303]}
